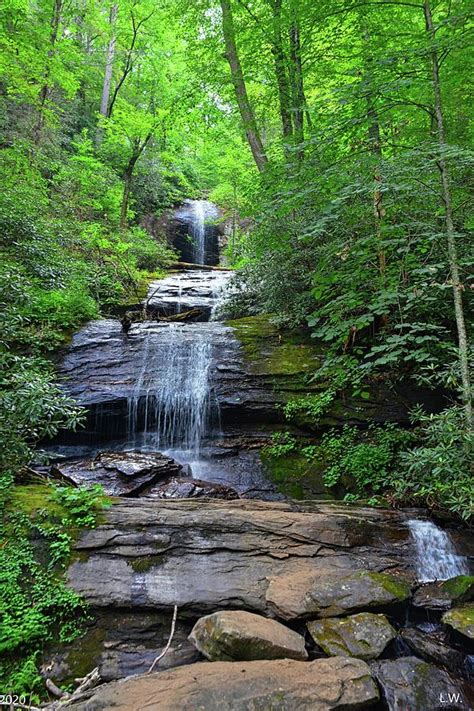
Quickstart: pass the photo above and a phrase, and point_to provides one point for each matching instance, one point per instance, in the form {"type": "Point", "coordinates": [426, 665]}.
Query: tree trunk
{"type": "Point", "coordinates": [283, 84]}
{"type": "Point", "coordinates": [449, 222]}
{"type": "Point", "coordinates": [246, 111]}
{"type": "Point", "coordinates": [109, 65]}
{"type": "Point", "coordinates": [296, 75]}
{"type": "Point", "coordinates": [45, 89]}
{"type": "Point", "coordinates": [138, 148]}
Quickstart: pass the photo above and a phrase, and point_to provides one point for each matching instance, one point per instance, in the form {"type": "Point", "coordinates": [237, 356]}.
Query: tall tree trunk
{"type": "Point", "coordinates": [245, 108]}
{"type": "Point", "coordinates": [284, 95]}
{"type": "Point", "coordinates": [296, 76]}
{"type": "Point", "coordinates": [375, 147]}
{"type": "Point", "coordinates": [449, 222]}
{"type": "Point", "coordinates": [138, 148]}
{"type": "Point", "coordinates": [45, 89]}
{"type": "Point", "coordinates": [109, 65]}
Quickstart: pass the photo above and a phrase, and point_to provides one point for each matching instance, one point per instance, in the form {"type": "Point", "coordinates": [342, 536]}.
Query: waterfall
{"type": "Point", "coordinates": [198, 231]}
{"type": "Point", "coordinates": [436, 556]}
{"type": "Point", "coordinates": [173, 410]}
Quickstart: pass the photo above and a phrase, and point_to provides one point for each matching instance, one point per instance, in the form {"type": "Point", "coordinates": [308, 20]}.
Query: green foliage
{"type": "Point", "coordinates": [283, 443]}
{"type": "Point", "coordinates": [36, 606]}
{"type": "Point", "coordinates": [310, 406]}
{"type": "Point", "coordinates": [362, 460]}
{"type": "Point", "coordinates": [439, 471]}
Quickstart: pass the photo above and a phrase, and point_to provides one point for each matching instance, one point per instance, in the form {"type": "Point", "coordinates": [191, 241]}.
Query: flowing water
{"type": "Point", "coordinates": [436, 556]}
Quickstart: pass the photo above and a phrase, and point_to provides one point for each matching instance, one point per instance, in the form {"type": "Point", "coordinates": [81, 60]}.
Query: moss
{"type": "Point", "coordinates": [295, 476]}
{"type": "Point", "coordinates": [461, 619]}
{"type": "Point", "coordinates": [146, 563]}
{"type": "Point", "coordinates": [460, 588]}
{"type": "Point", "coordinates": [31, 499]}
{"type": "Point", "coordinates": [397, 588]}
{"type": "Point", "coordinates": [274, 353]}
{"type": "Point", "coordinates": [84, 654]}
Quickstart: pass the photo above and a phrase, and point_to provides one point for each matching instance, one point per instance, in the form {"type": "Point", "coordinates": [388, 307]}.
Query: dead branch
{"type": "Point", "coordinates": [168, 644]}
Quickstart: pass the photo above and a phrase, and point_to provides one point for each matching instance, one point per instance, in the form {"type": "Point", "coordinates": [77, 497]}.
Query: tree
{"type": "Point", "coordinates": [245, 108]}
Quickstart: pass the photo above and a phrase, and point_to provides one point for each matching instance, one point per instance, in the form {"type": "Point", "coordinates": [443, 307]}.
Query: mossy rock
{"type": "Point", "coordinates": [461, 619]}
{"type": "Point", "coordinates": [364, 636]}
{"type": "Point", "coordinates": [296, 477]}
{"type": "Point", "coordinates": [274, 353]}
{"type": "Point", "coordinates": [459, 588]}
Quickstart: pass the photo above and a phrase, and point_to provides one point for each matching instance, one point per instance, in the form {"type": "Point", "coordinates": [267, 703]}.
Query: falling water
{"type": "Point", "coordinates": [198, 231]}
{"type": "Point", "coordinates": [436, 556]}
{"type": "Point", "coordinates": [174, 410]}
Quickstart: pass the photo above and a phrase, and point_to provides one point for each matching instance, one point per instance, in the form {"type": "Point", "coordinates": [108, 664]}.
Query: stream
{"type": "Point", "coordinates": [180, 401]}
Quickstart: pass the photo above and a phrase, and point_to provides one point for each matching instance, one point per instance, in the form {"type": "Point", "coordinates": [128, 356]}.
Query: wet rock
{"type": "Point", "coordinates": [319, 594]}
{"type": "Point", "coordinates": [209, 554]}
{"type": "Point", "coordinates": [188, 488]}
{"type": "Point", "coordinates": [237, 635]}
{"type": "Point", "coordinates": [409, 683]}
{"type": "Point", "coordinates": [441, 595]}
{"type": "Point", "coordinates": [461, 619]}
{"type": "Point", "coordinates": [364, 636]}
{"type": "Point", "coordinates": [120, 644]}
{"type": "Point", "coordinates": [432, 649]}
{"type": "Point", "coordinates": [120, 473]}
{"type": "Point", "coordinates": [285, 684]}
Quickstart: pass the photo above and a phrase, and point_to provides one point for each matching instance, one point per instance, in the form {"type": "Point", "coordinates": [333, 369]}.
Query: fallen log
{"type": "Point", "coordinates": [201, 267]}
{"type": "Point", "coordinates": [184, 316]}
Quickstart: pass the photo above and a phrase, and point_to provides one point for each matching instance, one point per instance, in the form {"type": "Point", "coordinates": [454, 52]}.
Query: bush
{"type": "Point", "coordinates": [439, 471]}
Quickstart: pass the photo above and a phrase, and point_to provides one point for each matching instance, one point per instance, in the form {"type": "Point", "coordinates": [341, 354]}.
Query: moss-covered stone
{"type": "Point", "coordinates": [296, 476]}
{"type": "Point", "coordinates": [459, 588]}
{"type": "Point", "coordinates": [364, 636]}
{"type": "Point", "coordinates": [271, 352]}
{"type": "Point", "coordinates": [461, 619]}
{"type": "Point", "coordinates": [146, 563]}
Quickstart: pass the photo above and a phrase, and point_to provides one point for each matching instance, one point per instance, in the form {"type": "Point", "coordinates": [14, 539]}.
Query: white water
{"type": "Point", "coordinates": [436, 556]}
{"type": "Point", "coordinates": [198, 231]}
{"type": "Point", "coordinates": [174, 410]}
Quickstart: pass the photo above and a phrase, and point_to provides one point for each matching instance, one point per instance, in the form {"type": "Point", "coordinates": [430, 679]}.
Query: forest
{"type": "Point", "coordinates": [335, 139]}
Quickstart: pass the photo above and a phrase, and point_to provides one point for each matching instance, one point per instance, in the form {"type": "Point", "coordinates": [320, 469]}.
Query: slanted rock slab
{"type": "Point", "coordinates": [461, 619]}
{"type": "Point", "coordinates": [120, 473]}
{"type": "Point", "coordinates": [243, 636]}
{"type": "Point", "coordinates": [410, 683]}
{"type": "Point", "coordinates": [442, 595]}
{"type": "Point", "coordinates": [364, 636]}
{"type": "Point", "coordinates": [187, 488]}
{"type": "Point", "coordinates": [308, 594]}
{"type": "Point", "coordinates": [432, 649]}
{"type": "Point", "coordinates": [283, 684]}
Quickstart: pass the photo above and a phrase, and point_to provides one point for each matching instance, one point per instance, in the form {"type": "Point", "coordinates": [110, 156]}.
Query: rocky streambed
{"type": "Point", "coordinates": [279, 603]}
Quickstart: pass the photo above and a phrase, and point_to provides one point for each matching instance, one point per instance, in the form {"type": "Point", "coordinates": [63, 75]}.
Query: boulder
{"type": "Point", "coordinates": [283, 684]}
{"type": "Point", "coordinates": [441, 595]}
{"type": "Point", "coordinates": [242, 636]}
{"type": "Point", "coordinates": [205, 555]}
{"type": "Point", "coordinates": [120, 473]}
{"type": "Point", "coordinates": [313, 594]}
{"type": "Point", "coordinates": [410, 683]}
{"type": "Point", "coordinates": [461, 619]}
{"type": "Point", "coordinates": [364, 636]}
{"type": "Point", "coordinates": [432, 649]}
{"type": "Point", "coordinates": [188, 488]}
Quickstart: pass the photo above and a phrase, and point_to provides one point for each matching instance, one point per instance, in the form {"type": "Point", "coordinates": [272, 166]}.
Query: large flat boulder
{"type": "Point", "coordinates": [286, 685]}
{"type": "Point", "coordinates": [242, 636]}
{"type": "Point", "coordinates": [410, 683]}
{"type": "Point", "coordinates": [364, 636]}
{"type": "Point", "coordinates": [330, 593]}
{"type": "Point", "coordinates": [206, 555]}
{"type": "Point", "coordinates": [120, 473]}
